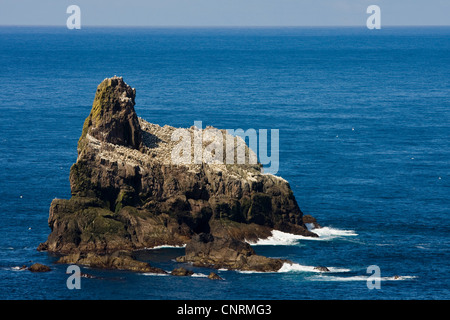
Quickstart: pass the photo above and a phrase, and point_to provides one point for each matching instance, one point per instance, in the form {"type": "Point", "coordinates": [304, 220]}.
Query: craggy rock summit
{"type": "Point", "coordinates": [128, 195]}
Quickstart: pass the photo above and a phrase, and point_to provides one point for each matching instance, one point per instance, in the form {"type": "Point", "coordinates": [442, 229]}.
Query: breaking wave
{"type": "Point", "coordinates": [296, 267]}
{"type": "Point", "coordinates": [323, 277]}
{"type": "Point", "coordinates": [17, 268]}
{"type": "Point", "coordinates": [195, 275]}
{"type": "Point", "coordinates": [328, 233]}
{"type": "Point", "coordinates": [166, 246]}
{"type": "Point", "coordinates": [279, 238]}
{"type": "Point", "coordinates": [199, 275]}
{"type": "Point", "coordinates": [155, 274]}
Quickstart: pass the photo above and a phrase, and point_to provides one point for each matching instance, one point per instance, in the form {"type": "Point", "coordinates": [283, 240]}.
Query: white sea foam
{"type": "Point", "coordinates": [18, 268]}
{"type": "Point", "coordinates": [309, 226]}
{"type": "Point", "coordinates": [166, 246]}
{"type": "Point", "coordinates": [250, 272]}
{"type": "Point", "coordinates": [287, 239]}
{"type": "Point", "coordinates": [199, 275]}
{"type": "Point", "coordinates": [295, 267]}
{"type": "Point", "coordinates": [278, 238]}
{"type": "Point", "coordinates": [328, 233]}
{"type": "Point", "coordinates": [154, 274]}
{"type": "Point", "coordinates": [324, 277]}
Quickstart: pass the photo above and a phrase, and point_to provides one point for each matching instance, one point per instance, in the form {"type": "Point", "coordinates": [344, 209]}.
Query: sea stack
{"type": "Point", "coordinates": [127, 194]}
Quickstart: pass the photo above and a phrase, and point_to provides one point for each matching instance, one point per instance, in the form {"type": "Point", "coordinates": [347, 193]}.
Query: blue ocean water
{"type": "Point", "coordinates": [364, 120]}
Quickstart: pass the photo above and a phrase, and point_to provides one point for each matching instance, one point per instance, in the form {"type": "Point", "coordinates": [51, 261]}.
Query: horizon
{"type": "Point", "coordinates": [233, 13]}
{"type": "Point", "coordinates": [223, 27]}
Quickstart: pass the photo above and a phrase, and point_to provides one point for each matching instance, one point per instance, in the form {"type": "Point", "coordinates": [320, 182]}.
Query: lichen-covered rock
{"type": "Point", "coordinates": [128, 194]}
{"type": "Point", "coordinates": [112, 118]}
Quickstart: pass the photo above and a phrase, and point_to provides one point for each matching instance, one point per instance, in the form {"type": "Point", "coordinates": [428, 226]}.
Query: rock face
{"type": "Point", "coordinates": [127, 194]}
{"type": "Point", "coordinates": [112, 118]}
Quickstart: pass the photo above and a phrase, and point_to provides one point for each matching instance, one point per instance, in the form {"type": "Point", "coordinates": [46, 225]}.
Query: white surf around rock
{"type": "Point", "coordinates": [166, 246]}
{"type": "Point", "coordinates": [279, 238]}
{"type": "Point", "coordinates": [296, 267]}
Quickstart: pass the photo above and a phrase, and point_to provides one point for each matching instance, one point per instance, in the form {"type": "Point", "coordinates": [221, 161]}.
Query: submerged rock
{"type": "Point", "coordinates": [128, 194]}
{"type": "Point", "coordinates": [214, 276]}
{"type": "Point", "coordinates": [37, 267]}
{"type": "Point", "coordinates": [181, 272]}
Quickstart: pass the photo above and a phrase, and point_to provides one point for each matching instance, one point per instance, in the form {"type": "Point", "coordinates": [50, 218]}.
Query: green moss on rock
{"type": "Point", "coordinates": [80, 180]}
{"type": "Point", "coordinates": [125, 198]}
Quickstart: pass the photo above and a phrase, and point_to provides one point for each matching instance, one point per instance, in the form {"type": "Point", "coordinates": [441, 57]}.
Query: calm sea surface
{"type": "Point", "coordinates": [364, 122]}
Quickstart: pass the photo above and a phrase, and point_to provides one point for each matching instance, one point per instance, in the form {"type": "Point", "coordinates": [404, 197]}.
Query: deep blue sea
{"type": "Point", "coordinates": [364, 124]}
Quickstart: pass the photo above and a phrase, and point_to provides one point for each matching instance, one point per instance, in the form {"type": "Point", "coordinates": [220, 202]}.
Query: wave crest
{"type": "Point", "coordinates": [279, 238]}
{"type": "Point", "coordinates": [295, 267]}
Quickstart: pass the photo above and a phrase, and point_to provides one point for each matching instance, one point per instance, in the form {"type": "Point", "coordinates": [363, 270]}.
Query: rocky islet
{"type": "Point", "coordinates": [127, 195]}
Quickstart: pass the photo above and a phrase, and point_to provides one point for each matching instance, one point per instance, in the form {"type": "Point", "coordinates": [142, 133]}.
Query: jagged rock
{"type": "Point", "coordinates": [112, 118]}
{"type": "Point", "coordinates": [181, 272]}
{"type": "Point", "coordinates": [321, 269]}
{"type": "Point", "coordinates": [127, 194]}
{"type": "Point", "coordinates": [205, 250]}
{"type": "Point", "coordinates": [37, 267]}
{"type": "Point", "coordinates": [118, 260]}
{"type": "Point", "coordinates": [214, 276]}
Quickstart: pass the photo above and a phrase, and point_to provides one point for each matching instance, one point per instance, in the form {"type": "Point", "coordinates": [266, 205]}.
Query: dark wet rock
{"type": "Point", "coordinates": [117, 260]}
{"type": "Point", "coordinates": [205, 250]}
{"type": "Point", "coordinates": [181, 272]}
{"type": "Point", "coordinates": [321, 269]}
{"type": "Point", "coordinates": [214, 276]}
{"type": "Point", "coordinates": [37, 267]}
